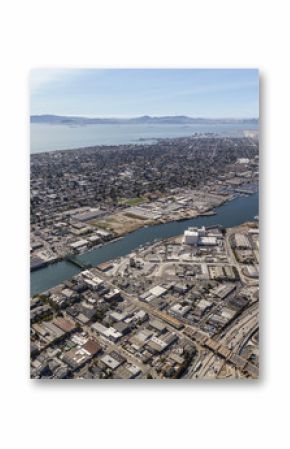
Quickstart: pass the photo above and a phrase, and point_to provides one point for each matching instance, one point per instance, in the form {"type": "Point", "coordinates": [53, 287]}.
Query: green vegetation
{"type": "Point", "coordinates": [132, 201]}
{"type": "Point", "coordinates": [47, 317]}
{"type": "Point", "coordinates": [101, 224]}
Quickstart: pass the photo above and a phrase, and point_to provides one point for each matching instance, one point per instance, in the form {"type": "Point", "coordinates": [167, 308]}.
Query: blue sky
{"type": "Point", "coordinates": [216, 93]}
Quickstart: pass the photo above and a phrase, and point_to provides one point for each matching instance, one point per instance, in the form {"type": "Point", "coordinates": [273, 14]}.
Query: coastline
{"type": "Point", "coordinates": [206, 213]}
{"type": "Point", "coordinates": [232, 213]}
{"type": "Point", "coordinates": [157, 133]}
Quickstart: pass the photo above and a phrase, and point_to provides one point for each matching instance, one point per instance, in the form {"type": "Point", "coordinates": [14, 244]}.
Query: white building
{"type": "Point", "coordinates": [191, 236]}
{"type": "Point", "coordinates": [79, 244]}
{"type": "Point", "coordinates": [202, 232]}
{"type": "Point", "coordinates": [243, 160]}
{"type": "Point", "coordinates": [208, 241]}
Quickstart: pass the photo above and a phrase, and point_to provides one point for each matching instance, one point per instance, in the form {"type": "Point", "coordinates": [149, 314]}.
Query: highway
{"type": "Point", "coordinates": [212, 363]}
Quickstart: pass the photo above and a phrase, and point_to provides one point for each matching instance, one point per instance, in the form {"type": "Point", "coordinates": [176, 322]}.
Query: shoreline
{"type": "Point", "coordinates": [207, 213]}
{"type": "Point", "coordinates": [243, 133]}
{"type": "Point", "coordinates": [53, 274]}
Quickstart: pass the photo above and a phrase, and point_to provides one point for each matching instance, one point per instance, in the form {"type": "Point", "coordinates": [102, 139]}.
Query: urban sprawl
{"type": "Point", "coordinates": [185, 307]}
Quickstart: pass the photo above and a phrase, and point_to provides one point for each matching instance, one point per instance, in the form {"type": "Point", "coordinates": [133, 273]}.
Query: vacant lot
{"type": "Point", "coordinates": [132, 201]}
{"type": "Point", "coordinates": [120, 223]}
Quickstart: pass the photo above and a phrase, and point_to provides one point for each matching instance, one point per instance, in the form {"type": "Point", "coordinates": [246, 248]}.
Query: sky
{"type": "Point", "coordinates": [209, 93]}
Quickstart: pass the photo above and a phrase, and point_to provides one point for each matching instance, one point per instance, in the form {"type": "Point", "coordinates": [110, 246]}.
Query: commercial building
{"type": "Point", "coordinates": [80, 244]}
{"type": "Point", "coordinates": [242, 242]}
{"type": "Point", "coordinates": [89, 215]}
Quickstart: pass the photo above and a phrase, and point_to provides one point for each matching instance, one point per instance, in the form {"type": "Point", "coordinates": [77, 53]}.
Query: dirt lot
{"type": "Point", "coordinates": [121, 224]}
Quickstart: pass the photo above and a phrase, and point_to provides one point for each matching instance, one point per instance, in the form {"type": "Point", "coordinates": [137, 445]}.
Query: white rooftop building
{"type": "Point", "coordinates": [191, 236]}
{"type": "Point", "coordinates": [79, 244]}
{"type": "Point", "coordinates": [243, 160]}
{"type": "Point", "coordinates": [208, 241]}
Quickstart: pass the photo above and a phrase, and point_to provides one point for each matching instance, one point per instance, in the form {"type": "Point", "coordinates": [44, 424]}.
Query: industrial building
{"type": "Point", "coordinates": [198, 236]}
{"type": "Point", "coordinates": [191, 236]}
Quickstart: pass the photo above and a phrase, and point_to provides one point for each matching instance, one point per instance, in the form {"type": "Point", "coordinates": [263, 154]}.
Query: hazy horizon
{"type": "Point", "coordinates": [144, 115]}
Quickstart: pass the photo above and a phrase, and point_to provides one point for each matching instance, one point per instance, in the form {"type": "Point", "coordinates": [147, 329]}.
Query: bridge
{"type": "Point", "coordinates": [78, 263]}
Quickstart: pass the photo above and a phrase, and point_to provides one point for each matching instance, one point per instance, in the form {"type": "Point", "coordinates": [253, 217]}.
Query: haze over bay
{"type": "Point", "coordinates": [47, 136]}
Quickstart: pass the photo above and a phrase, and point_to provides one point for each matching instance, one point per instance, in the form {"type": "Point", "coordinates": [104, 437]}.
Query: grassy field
{"type": "Point", "coordinates": [132, 201]}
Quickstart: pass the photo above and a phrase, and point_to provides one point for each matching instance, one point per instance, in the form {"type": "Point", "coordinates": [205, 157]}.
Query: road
{"type": "Point", "coordinates": [211, 362]}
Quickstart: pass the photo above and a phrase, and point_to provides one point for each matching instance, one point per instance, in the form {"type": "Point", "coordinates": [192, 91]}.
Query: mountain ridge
{"type": "Point", "coordinates": [145, 119]}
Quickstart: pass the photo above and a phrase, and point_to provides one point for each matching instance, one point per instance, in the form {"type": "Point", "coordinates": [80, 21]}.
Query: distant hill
{"type": "Point", "coordinates": [145, 119]}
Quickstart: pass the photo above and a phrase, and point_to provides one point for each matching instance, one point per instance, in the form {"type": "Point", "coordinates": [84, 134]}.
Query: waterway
{"type": "Point", "coordinates": [47, 137]}
{"type": "Point", "coordinates": [230, 214]}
